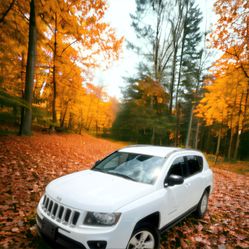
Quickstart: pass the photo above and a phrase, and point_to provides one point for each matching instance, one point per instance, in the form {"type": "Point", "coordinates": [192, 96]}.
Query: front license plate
{"type": "Point", "coordinates": [48, 228]}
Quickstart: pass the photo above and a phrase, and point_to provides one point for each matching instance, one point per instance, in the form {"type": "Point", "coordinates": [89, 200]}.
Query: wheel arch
{"type": "Point", "coordinates": [152, 219]}
{"type": "Point", "coordinates": [207, 189]}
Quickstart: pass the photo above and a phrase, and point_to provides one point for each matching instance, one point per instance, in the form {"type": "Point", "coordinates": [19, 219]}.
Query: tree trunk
{"type": "Point", "coordinates": [64, 115]}
{"type": "Point", "coordinates": [179, 76]}
{"type": "Point", "coordinates": [70, 122]}
{"type": "Point", "coordinates": [96, 127]}
{"type": "Point", "coordinates": [153, 136]}
{"type": "Point", "coordinates": [26, 119]}
{"type": "Point", "coordinates": [54, 118]}
{"type": "Point", "coordinates": [197, 135]}
{"type": "Point", "coordinates": [189, 128]}
{"type": "Point", "coordinates": [156, 50]}
{"type": "Point", "coordinates": [80, 122]}
{"type": "Point", "coordinates": [231, 133]}
{"type": "Point", "coordinates": [235, 156]}
{"type": "Point", "coordinates": [205, 145]}
{"type": "Point", "coordinates": [177, 130]}
{"type": "Point", "coordinates": [22, 76]}
{"type": "Point", "coordinates": [238, 128]}
{"type": "Point", "coordinates": [230, 145]}
{"type": "Point", "coordinates": [218, 146]}
{"type": "Point", "coordinates": [245, 115]}
{"type": "Point", "coordinates": [172, 83]}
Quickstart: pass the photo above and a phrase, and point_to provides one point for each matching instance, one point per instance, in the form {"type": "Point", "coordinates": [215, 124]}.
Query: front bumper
{"type": "Point", "coordinates": [58, 238]}
{"type": "Point", "coordinates": [83, 237]}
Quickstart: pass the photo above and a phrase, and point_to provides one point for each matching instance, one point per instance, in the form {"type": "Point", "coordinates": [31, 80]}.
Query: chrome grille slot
{"type": "Point", "coordinates": [46, 204]}
{"type": "Point", "coordinates": [75, 218]}
{"type": "Point", "coordinates": [61, 213]}
{"type": "Point", "coordinates": [67, 215]}
{"type": "Point", "coordinates": [44, 200]}
{"type": "Point", "coordinates": [50, 206]}
{"type": "Point", "coordinates": [61, 210]}
{"type": "Point", "coordinates": [55, 208]}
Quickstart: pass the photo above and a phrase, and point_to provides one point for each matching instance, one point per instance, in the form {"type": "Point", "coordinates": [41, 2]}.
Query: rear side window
{"type": "Point", "coordinates": [195, 164]}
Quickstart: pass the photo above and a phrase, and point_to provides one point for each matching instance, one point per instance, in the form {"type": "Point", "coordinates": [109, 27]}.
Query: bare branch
{"type": "Point", "coordinates": [7, 11]}
{"type": "Point", "coordinates": [69, 45]}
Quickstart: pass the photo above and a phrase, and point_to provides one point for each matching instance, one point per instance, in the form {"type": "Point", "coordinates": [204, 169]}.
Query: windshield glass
{"type": "Point", "coordinates": [136, 167]}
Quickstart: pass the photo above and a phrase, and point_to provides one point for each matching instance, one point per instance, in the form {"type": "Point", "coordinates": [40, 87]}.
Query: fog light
{"type": "Point", "coordinates": [97, 244]}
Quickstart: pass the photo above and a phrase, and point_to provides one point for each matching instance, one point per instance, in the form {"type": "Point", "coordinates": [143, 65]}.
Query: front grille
{"type": "Point", "coordinates": [59, 212]}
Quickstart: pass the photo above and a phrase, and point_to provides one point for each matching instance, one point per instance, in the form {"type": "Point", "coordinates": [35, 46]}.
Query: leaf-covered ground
{"type": "Point", "coordinates": [28, 164]}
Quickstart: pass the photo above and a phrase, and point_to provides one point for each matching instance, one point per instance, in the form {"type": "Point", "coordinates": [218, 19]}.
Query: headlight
{"type": "Point", "coordinates": [101, 219]}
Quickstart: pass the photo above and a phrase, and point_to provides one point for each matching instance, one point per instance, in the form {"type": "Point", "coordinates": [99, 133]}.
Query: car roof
{"type": "Point", "coordinates": [152, 150]}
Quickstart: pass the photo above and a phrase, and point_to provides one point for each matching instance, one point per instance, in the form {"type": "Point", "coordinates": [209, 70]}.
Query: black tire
{"type": "Point", "coordinates": [144, 236]}
{"type": "Point", "coordinates": [202, 205]}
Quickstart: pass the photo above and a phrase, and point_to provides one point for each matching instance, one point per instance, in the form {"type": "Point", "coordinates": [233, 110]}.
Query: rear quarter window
{"type": "Point", "coordinates": [195, 164]}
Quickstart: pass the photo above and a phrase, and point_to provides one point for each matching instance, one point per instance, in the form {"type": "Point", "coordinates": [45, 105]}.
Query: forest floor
{"type": "Point", "coordinates": [28, 164]}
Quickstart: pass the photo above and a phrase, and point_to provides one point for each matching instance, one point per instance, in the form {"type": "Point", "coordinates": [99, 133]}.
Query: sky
{"type": "Point", "coordinates": [118, 15]}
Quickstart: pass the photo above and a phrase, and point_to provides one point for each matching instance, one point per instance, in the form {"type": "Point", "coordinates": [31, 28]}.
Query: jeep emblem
{"type": "Point", "coordinates": [58, 198]}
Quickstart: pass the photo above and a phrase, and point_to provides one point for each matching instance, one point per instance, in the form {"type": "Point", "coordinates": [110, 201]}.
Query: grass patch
{"type": "Point", "coordinates": [236, 167]}
{"type": "Point", "coordinates": [8, 132]}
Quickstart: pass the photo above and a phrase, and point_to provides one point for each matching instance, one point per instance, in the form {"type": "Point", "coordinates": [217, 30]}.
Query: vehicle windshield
{"type": "Point", "coordinates": [136, 167]}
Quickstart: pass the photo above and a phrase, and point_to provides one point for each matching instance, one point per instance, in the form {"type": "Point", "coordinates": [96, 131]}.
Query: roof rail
{"type": "Point", "coordinates": [191, 149]}
{"type": "Point", "coordinates": [173, 151]}
{"type": "Point", "coordinates": [138, 145]}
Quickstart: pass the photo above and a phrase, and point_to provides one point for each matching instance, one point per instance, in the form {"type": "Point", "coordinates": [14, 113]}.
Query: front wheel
{"type": "Point", "coordinates": [144, 237]}
{"type": "Point", "coordinates": [202, 206]}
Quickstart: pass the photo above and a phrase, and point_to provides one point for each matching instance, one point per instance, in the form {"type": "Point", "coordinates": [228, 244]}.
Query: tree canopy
{"type": "Point", "coordinates": [72, 40]}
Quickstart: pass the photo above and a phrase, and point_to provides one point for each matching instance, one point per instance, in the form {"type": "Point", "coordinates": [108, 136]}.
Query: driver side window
{"type": "Point", "coordinates": [178, 167]}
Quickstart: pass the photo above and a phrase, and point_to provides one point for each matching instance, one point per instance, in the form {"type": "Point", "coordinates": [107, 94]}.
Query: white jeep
{"type": "Point", "coordinates": [126, 199]}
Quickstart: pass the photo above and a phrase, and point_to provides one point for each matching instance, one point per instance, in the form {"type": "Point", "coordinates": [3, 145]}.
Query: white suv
{"type": "Point", "coordinates": [126, 199]}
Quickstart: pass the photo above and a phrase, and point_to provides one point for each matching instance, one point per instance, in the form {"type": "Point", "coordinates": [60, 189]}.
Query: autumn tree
{"type": "Point", "coordinates": [160, 40]}
{"type": "Point", "coordinates": [230, 35]}
{"type": "Point", "coordinates": [224, 104]}
{"type": "Point", "coordinates": [189, 72]}
{"type": "Point", "coordinates": [170, 44]}
{"type": "Point", "coordinates": [86, 33]}
{"type": "Point", "coordinates": [73, 39]}
{"type": "Point", "coordinates": [143, 113]}
{"type": "Point", "coordinates": [94, 111]}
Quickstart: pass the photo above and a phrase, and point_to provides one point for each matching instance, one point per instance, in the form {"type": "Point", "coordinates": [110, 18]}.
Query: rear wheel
{"type": "Point", "coordinates": [202, 206]}
{"type": "Point", "coordinates": [144, 237]}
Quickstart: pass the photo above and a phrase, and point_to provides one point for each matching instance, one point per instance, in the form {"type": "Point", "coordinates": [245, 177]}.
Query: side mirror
{"type": "Point", "coordinates": [174, 180]}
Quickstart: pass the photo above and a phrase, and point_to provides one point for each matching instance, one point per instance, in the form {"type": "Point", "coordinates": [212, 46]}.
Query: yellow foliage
{"type": "Point", "coordinates": [73, 39]}
{"type": "Point", "coordinates": [225, 101]}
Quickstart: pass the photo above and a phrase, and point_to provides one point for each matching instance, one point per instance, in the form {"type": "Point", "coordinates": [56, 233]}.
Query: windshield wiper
{"type": "Point", "coordinates": [114, 173]}
{"type": "Point", "coordinates": [121, 175]}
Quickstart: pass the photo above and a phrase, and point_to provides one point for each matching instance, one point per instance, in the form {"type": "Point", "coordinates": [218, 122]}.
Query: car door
{"type": "Point", "coordinates": [194, 179]}
{"type": "Point", "coordinates": [175, 197]}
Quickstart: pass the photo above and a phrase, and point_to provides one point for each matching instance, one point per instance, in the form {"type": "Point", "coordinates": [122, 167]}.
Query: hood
{"type": "Point", "coordinates": [95, 191]}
